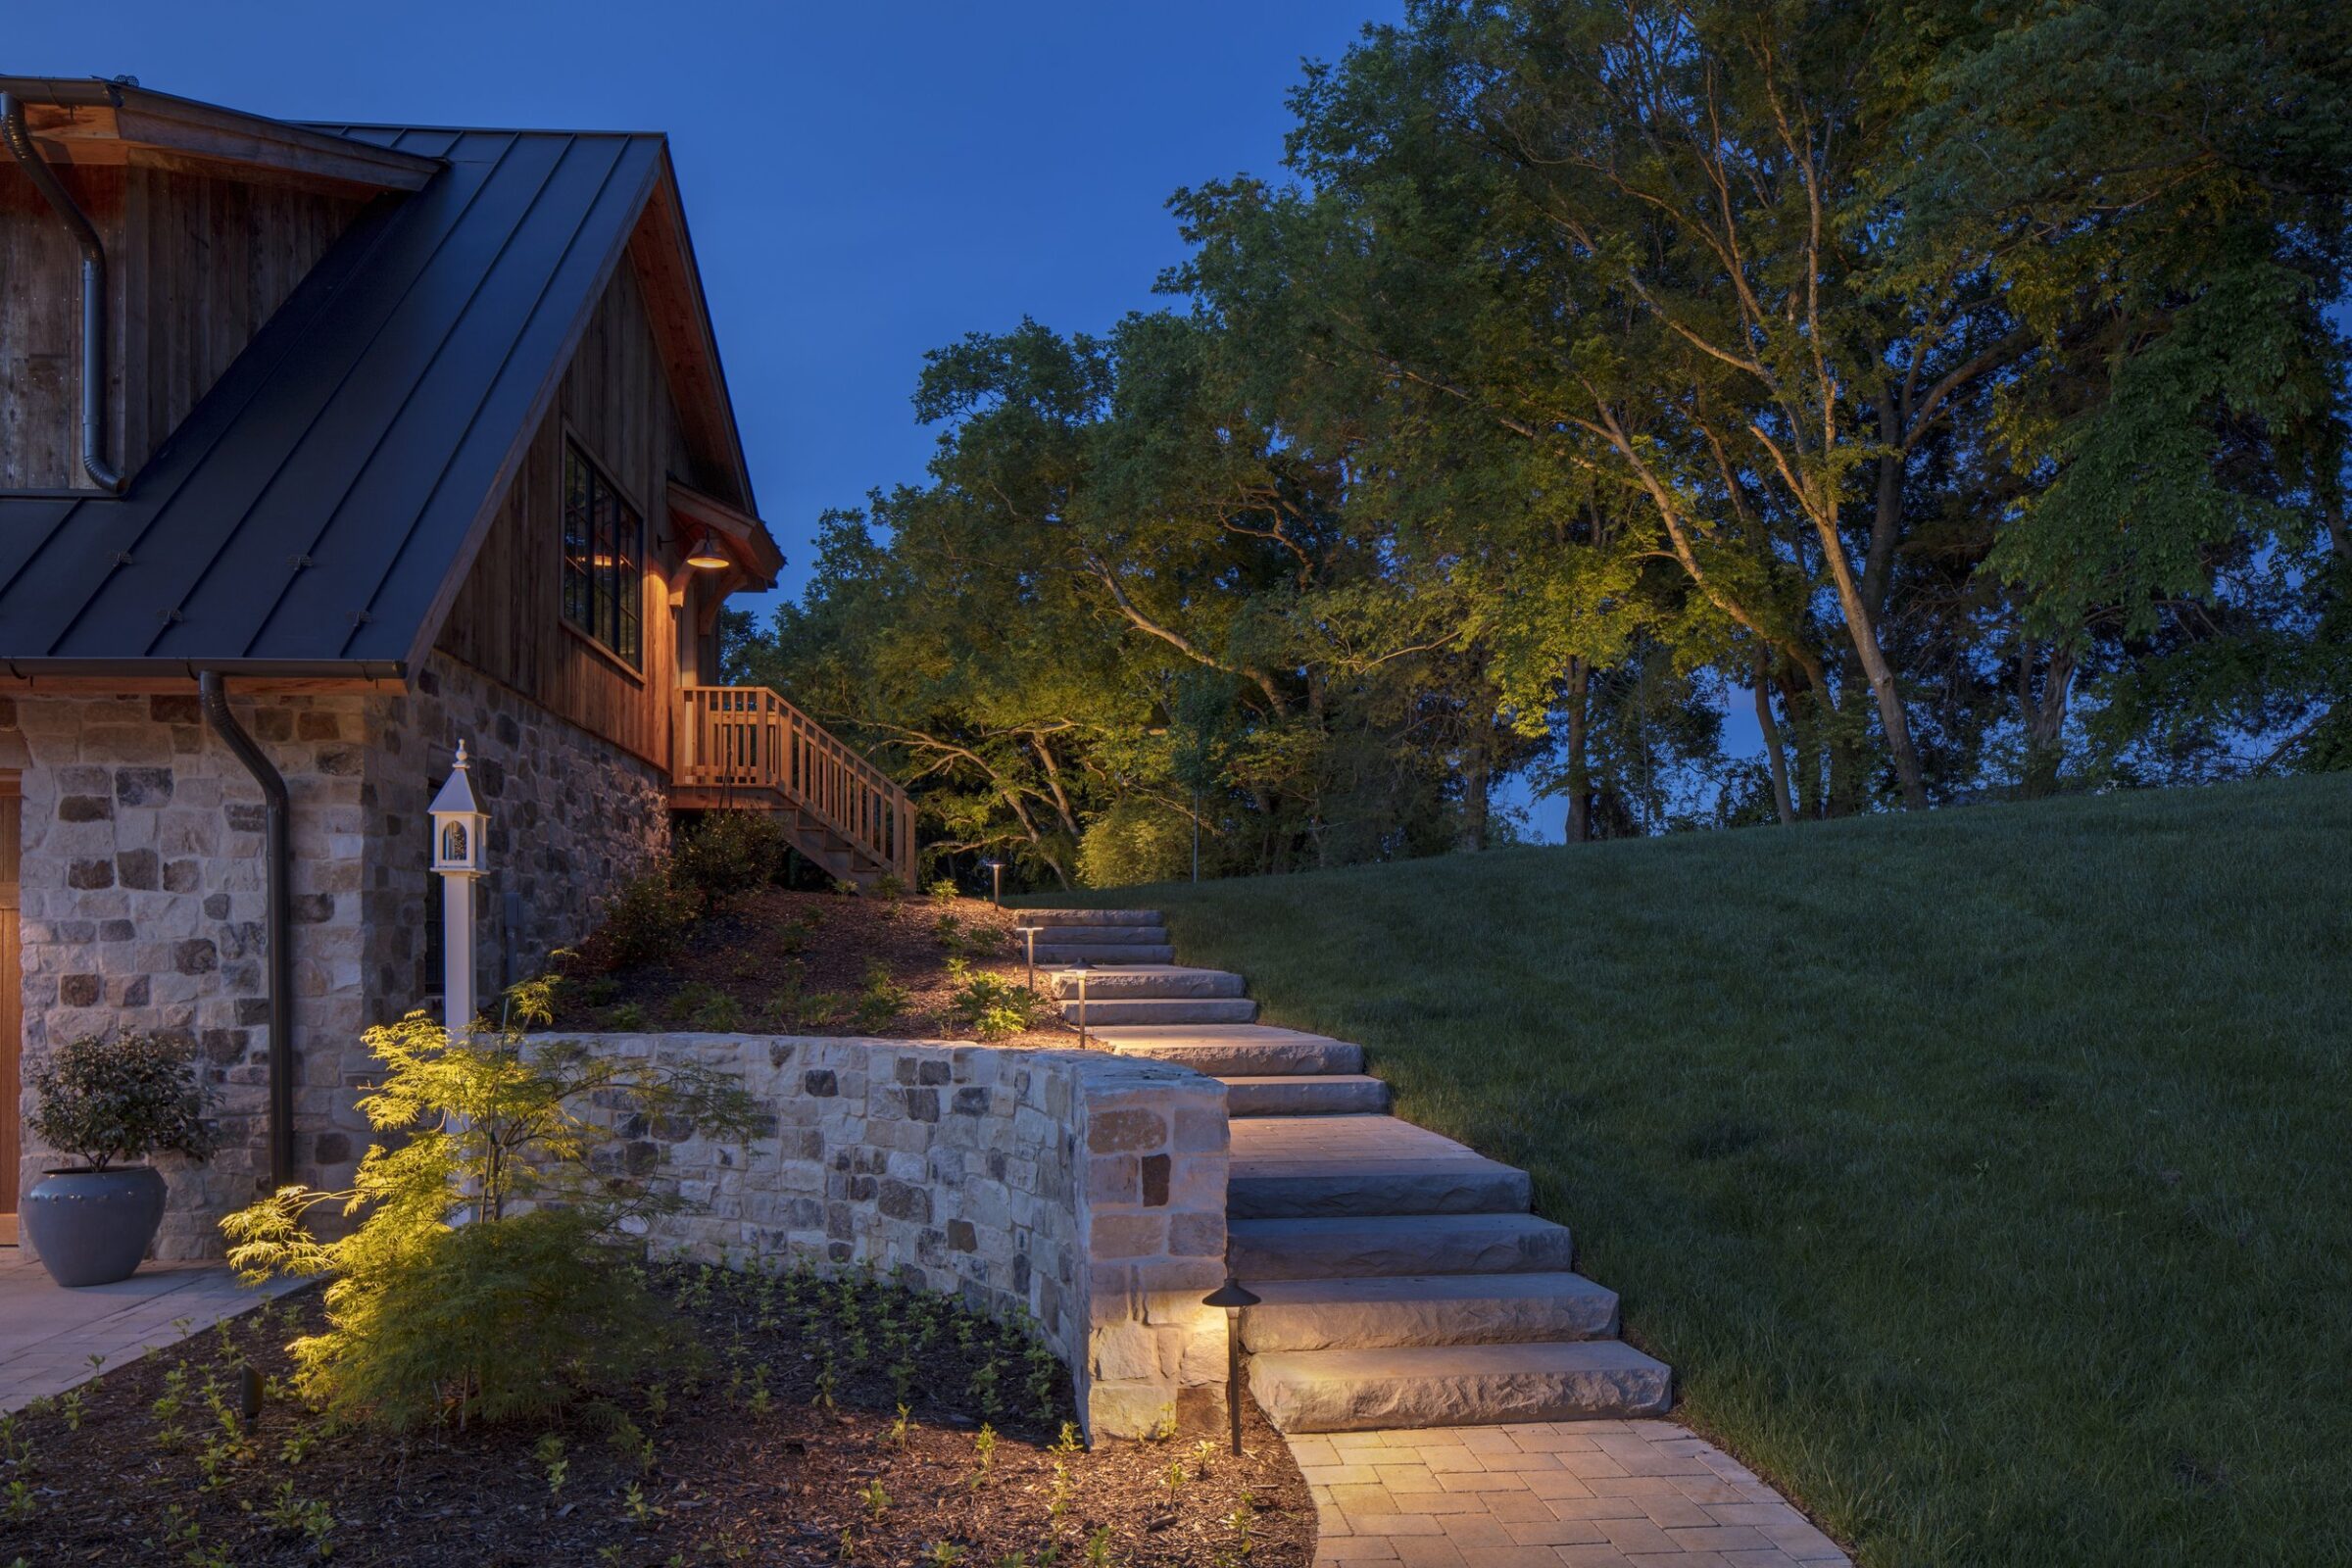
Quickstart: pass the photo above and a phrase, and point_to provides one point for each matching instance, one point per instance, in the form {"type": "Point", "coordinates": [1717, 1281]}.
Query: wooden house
{"type": "Point", "coordinates": [324, 447]}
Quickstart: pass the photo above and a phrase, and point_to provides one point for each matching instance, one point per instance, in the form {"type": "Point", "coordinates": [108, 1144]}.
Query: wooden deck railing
{"type": "Point", "coordinates": [748, 738]}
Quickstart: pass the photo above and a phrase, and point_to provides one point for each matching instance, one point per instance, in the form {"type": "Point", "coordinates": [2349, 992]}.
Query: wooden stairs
{"type": "Point", "coordinates": [745, 748]}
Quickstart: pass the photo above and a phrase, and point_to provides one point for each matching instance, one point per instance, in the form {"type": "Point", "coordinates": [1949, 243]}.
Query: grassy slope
{"type": "Point", "coordinates": [1983, 1176]}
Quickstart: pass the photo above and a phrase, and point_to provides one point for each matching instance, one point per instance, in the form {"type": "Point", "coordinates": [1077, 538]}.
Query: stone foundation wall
{"type": "Point", "coordinates": [1085, 1189]}
{"type": "Point", "coordinates": [142, 881]}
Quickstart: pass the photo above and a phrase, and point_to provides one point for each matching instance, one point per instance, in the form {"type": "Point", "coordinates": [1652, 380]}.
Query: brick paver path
{"type": "Point", "coordinates": [48, 1333]}
{"type": "Point", "coordinates": [1555, 1495]}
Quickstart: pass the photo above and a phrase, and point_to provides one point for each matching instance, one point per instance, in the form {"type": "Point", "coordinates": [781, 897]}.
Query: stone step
{"type": "Point", "coordinates": [1458, 1385]}
{"type": "Point", "coordinates": [1067, 952]}
{"type": "Point", "coordinates": [1237, 1050]}
{"type": "Point", "coordinates": [1359, 1314]}
{"type": "Point", "coordinates": [1329, 1166]}
{"type": "Point", "coordinates": [1113, 944]}
{"type": "Point", "coordinates": [1140, 981]}
{"type": "Point", "coordinates": [1161, 1010]}
{"type": "Point", "coordinates": [1359, 1246]}
{"type": "Point", "coordinates": [1305, 1095]}
{"type": "Point", "coordinates": [1089, 917]}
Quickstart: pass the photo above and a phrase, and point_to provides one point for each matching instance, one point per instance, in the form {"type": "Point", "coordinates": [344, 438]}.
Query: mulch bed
{"type": "Point", "coordinates": [805, 964]}
{"type": "Point", "coordinates": [741, 1462]}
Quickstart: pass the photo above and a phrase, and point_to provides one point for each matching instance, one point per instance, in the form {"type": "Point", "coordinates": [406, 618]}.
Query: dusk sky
{"type": "Point", "coordinates": [864, 183]}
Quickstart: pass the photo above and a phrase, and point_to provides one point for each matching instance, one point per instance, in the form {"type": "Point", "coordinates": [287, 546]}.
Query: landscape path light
{"type": "Point", "coordinates": [1028, 933]}
{"type": "Point", "coordinates": [1079, 969]}
{"type": "Point", "coordinates": [996, 878]}
{"type": "Point", "coordinates": [1231, 1296]}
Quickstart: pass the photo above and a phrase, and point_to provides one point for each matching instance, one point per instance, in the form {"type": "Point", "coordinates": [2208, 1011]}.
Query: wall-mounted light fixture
{"type": "Point", "coordinates": [704, 552]}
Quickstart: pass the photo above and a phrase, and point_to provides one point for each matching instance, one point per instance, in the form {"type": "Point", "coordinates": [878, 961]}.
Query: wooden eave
{"type": "Point", "coordinates": [110, 122]}
{"type": "Point", "coordinates": [662, 252]}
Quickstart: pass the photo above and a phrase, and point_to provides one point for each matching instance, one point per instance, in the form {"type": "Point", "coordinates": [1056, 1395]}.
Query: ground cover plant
{"type": "Point", "coordinates": [840, 1421]}
{"type": "Point", "coordinates": [1980, 1174]}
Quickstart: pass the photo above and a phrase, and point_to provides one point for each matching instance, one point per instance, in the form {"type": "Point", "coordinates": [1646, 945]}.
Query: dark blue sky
{"type": "Point", "coordinates": [864, 181]}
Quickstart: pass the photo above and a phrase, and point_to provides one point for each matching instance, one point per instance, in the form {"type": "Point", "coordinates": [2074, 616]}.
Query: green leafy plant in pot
{"type": "Point", "coordinates": [108, 1103]}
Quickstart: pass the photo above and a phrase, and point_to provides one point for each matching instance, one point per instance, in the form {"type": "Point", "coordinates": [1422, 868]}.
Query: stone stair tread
{"type": "Point", "coordinates": [1359, 1165]}
{"type": "Point", "coordinates": [1083, 918]}
{"type": "Point", "coordinates": [1304, 1093]}
{"type": "Point", "coordinates": [1160, 981]}
{"type": "Point", "coordinates": [1458, 1385]}
{"type": "Point", "coordinates": [1355, 1245]}
{"type": "Point", "coordinates": [1406, 1309]}
{"type": "Point", "coordinates": [1056, 954]}
{"type": "Point", "coordinates": [1278, 1053]}
{"type": "Point", "coordinates": [1115, 944]}
{"type": "Point", "coordinates": [1161, 1010]}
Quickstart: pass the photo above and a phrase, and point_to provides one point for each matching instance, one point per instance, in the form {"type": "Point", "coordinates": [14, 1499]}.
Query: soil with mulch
{"type": "Point", "coordinates": [749, 1460]}
{"type": "Point", "coordinates": [812, 963]}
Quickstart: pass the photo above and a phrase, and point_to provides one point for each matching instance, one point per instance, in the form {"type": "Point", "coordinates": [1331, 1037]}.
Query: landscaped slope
{"type": "Point", "coordinates": [1984, 1176]}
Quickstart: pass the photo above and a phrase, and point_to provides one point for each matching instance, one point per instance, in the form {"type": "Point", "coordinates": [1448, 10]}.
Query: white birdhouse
{"type": "Point", "coordinates": [460, 825]}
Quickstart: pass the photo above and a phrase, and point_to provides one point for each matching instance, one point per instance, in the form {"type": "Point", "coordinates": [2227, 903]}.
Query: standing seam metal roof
{"type": "Point", "coordinates": [311, 507]}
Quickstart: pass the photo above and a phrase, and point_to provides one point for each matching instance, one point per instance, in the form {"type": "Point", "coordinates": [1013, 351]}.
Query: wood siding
{"type": "Point", "coordinates": [507, 620]}
{"type": "Point", "coordinates": [195, 264]}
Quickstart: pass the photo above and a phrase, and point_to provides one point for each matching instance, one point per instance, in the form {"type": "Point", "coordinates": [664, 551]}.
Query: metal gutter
{"type": "Point", "coordinates": [278, 915]}
{"type": "Point", "coordinates": [93, 291]}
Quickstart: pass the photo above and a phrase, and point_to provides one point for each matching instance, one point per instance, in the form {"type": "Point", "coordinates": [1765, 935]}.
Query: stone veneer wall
{"type": "Point", "coordinates": [1083, 1188]}
{"type": "Point", "coordinates": [142, 881]}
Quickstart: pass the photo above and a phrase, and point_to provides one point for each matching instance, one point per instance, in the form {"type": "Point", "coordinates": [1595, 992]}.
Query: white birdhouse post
{"type": "Point", "coordinates": [460, 828]}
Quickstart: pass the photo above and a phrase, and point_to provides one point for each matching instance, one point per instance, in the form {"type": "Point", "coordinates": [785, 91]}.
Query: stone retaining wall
{"type": "Point", "coordinates": [1083, 1187]}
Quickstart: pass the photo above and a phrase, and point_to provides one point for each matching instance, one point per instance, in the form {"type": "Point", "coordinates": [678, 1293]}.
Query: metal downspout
{"type": "Point", "coordinates": [93, 291]}
{"type": "Point", "coordinates": [278, 915]}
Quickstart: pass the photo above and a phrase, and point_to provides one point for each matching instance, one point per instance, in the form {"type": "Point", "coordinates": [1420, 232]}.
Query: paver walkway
{"type": "Point", "coordinates": [1455, 1394]}
{"type": "Point", "coordinates": [48, 1333]}
{"type": "Point", "coordinates": [1559, 1495]}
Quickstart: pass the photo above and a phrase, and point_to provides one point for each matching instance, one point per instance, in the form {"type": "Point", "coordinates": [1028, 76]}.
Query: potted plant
{"type": "Point", "coordinates": [108, 1103]}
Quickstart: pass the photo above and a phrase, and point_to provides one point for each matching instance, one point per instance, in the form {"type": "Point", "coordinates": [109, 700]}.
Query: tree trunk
{"type": "Point", "coordinates": [1580, 782]}
{"type": "Point", "coordinates": [1781, 802]}
{"type": "Point", "coordinates": [2043, 716]}
{"type": "Point", "coordinates": [1875, 669]}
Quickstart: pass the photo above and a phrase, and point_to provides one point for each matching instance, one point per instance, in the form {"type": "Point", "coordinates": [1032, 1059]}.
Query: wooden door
{"type": "Point", "coordinates": [11, 1002]}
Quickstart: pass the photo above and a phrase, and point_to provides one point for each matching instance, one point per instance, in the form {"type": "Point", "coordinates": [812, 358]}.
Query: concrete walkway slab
{"type": "Point", "coordinates": [48, 1334]}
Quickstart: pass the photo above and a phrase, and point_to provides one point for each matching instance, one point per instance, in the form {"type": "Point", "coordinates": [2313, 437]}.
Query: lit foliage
{"type": "Point", "coordinates": [490, 1274]}
{"type": "Point", "coordinates": [105, 1102]}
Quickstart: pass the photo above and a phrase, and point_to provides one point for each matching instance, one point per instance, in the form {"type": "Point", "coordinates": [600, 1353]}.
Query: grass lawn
{"type": "Point", "coordinates": [1984, 1176]}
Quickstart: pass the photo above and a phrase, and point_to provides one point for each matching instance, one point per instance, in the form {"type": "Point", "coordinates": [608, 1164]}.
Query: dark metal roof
{"type": "Point", "coordinates": [309, 511]}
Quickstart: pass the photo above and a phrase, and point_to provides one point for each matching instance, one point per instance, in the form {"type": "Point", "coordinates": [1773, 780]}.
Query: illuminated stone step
{"type": "Point", "coordinates": [1373, 1244]}
{"type": "Point", "coordinates": [1146, 982]}
{"type": "Point", "coordinates": [1305, 1095]}
{"type": "Point", "coordinates": [1064, 953]}
{"type": "Point", "coordinates": [1237, 1051]}
{"type": "Point", "coordinates": [1309, 1166]}
{"type": "Point", "coordinates": [1356, 1314]}
{"type": "Point", "coordinates": [1458, 1385]}
{"type": "Point", "coordinates": [1161, 1010]}
{"type": "Point", "coordinates": [1068, 918]}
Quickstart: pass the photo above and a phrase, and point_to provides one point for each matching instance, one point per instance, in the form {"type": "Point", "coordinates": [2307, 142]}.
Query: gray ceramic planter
{"type": "Point", "coordinates": [92, 1227]}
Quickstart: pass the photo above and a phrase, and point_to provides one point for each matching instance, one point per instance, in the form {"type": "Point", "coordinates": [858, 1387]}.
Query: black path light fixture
{"type": "Point", "coordinates": [1231, 1296]}
{"type": "Point", "coordinates": [1079, 969]}
{"type": "Point", "coordinates": [996, 878]}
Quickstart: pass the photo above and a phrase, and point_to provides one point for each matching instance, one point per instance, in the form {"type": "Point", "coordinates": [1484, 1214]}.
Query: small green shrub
{"type": "Point", "coordinates": [648, 918]}
{"type": "Point", "coordinates": [702, 1006]}
{"type": "Point", "coordinates": [793, 935]}
{"type": "Point", "coordinates": [891, 886]}
{"type": "Point", "coordinates": [728, 854]}
{"type": "Point", "coordinates": [124, 1098]}
{"type": "Point", "coordinates": [996, 1007]}
{"type": "Point", "coordinates": [533, 1301]}
{"type": "Point", "coordinates": [882, 1000]}
{"type": "Point", "coordinates": [942, 890]}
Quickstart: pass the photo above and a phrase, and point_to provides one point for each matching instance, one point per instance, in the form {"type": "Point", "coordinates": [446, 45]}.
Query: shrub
{"type": "Point", "coordinates": [534, 1298]}
{"type": "Point", "coordinates": [124, 1098]}
{"type": "Point", "coordinates": [942, 890]}
{"type": "Point", "coordinates": [728, 854]}
{"type": "Point", "coordinates": [648, 919]}
{"type": "Point", "coordinates": [996, 1007]}
{"type": "Point", "coordinates": [882, 1000]}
